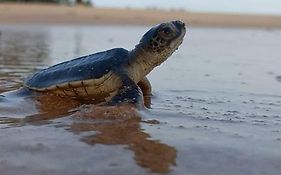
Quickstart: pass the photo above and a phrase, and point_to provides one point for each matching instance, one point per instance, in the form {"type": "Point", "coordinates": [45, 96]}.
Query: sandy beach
{"type": "Point", "coordinates": [59, 14]}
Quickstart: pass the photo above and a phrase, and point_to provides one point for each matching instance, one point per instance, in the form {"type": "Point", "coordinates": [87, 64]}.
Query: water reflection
{"type": "Point", "coordinates": [31, 107]}
{"type": "Point", "coordinates": [121, 126]}
{"type": "Point", "coordinates": [78, 43]}
{"type": "Point", "coordinates": [21, 52]}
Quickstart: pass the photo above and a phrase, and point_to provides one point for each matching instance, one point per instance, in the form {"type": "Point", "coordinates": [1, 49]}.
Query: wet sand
{"type": "Point", "coordinates": [216, 106]}
{"type": "Point", "coordinates": [55, 14]}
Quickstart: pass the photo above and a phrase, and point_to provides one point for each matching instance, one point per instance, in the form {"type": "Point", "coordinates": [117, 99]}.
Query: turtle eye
{"type": "Point", "coordinates": [166, 30]}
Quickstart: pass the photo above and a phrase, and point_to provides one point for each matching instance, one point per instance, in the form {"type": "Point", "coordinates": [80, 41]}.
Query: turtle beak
{"type": "Point", "coordinates": [180, 25]}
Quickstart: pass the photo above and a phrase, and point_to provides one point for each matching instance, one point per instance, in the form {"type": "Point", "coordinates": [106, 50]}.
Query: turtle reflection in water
{"type": "Point", "coordinates": [121, 125]}
{"type": "Point", "coordinates": [114, 76]}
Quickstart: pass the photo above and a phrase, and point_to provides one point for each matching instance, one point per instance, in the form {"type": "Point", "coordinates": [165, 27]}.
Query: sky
{"type": "Point", "coordinates": [221, 6]}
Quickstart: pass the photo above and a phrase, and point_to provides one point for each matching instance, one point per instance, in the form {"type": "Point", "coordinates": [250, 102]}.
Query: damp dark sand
{"type": "Point", "coordinates": [216, 106]}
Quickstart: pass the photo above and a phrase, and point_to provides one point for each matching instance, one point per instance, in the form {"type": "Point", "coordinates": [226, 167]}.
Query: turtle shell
{"type": "Point", "coordinates": [77, 72]}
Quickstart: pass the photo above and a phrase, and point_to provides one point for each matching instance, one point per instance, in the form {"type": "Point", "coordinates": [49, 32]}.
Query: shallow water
{"type": "Point", "coordinates": [216, 106]}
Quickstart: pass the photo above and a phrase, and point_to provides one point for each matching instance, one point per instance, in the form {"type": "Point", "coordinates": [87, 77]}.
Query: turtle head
{"type": "Point", "coordinates": [162, 40]}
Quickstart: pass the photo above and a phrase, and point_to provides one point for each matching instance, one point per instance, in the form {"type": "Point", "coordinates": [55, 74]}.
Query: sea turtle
{"type": "Point", "coordinates": [113, 76]}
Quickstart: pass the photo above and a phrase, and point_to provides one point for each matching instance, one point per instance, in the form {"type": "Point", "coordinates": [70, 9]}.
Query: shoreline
{"type": "Point", "coordinates": [16, 13]}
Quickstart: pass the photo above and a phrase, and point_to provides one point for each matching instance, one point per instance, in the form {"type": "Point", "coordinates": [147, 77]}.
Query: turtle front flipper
{"type": "Point", "coordinates": [146, 89]}
{"type": "Point", "coordinates": [129, 92]}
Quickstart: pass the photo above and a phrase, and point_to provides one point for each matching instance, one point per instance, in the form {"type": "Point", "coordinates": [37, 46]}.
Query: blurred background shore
{"type": "Point", "coordinates": [40, 13]}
